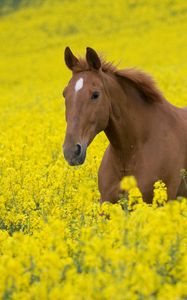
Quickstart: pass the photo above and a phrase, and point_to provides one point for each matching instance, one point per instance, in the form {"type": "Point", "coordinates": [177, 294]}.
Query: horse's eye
{"type": "Point", "coordinates": [95, 95]}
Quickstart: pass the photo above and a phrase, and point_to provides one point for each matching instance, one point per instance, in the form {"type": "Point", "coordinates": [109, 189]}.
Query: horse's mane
{"type": "Point", "coordinates": [140, 80]}
{"type": "Point", "coordinates": [143, 82]}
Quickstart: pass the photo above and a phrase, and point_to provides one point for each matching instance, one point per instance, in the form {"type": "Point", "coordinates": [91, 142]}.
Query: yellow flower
{"type": "Point", "coordinates": [160, 193]}
{"type": "Point", "coordinates": [128, 183]}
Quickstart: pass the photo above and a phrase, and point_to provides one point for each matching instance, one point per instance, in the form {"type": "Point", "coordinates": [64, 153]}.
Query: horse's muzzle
{"type": "Point", "coordinates": [75, 155]}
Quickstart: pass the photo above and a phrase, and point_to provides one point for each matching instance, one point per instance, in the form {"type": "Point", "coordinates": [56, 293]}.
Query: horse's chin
{"type": "Point", "coordinates": [77, 162]}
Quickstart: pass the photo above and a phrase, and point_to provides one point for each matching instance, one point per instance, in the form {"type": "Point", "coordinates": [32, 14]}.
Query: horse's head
{"type": "Point", "coordinates": [87, 105]}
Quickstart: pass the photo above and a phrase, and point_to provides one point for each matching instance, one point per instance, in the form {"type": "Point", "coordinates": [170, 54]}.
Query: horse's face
{"type": "Point", "coordinates": [87, 111]}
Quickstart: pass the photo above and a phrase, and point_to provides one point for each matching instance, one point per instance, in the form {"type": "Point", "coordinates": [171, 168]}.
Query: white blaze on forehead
{"type": "Point", "coordinates": [79, 84]}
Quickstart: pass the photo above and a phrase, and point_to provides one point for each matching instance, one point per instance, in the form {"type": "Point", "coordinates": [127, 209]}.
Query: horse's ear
{"type": "Point", "coordinates": [70, 59]}
{"type": "Point", "coordinates": [93, 59]}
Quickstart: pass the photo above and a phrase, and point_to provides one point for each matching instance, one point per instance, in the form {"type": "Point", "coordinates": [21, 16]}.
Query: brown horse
{"type": "Point", "coordinates": [147, 134]}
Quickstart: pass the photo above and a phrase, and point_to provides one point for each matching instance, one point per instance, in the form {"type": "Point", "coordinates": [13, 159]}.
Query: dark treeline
{"type": "Point", "coordinates": [8, 6]}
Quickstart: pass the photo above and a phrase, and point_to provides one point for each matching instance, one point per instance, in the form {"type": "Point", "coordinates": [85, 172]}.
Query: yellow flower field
{"type": "Point", "coordinates": [54, 241]}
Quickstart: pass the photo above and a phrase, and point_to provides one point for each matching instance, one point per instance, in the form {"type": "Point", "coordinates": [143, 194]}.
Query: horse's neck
{"type": "Point", "coordinates": [130, 118]}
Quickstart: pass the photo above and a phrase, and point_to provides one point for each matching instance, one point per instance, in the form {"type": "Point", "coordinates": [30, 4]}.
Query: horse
{"type": "Point", "coordinates": [147, 134]}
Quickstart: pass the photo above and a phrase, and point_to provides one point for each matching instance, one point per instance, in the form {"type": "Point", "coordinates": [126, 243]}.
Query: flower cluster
{"type": "Point", "coordinates": [160, 193]}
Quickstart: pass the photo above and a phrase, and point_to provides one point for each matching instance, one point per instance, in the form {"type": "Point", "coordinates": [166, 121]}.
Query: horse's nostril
{"type": "Point", "coordinates": [78, 150]}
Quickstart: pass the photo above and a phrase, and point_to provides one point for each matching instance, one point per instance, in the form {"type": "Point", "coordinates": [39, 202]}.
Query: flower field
{"type": "Point", "coordinates": [54, 241]}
